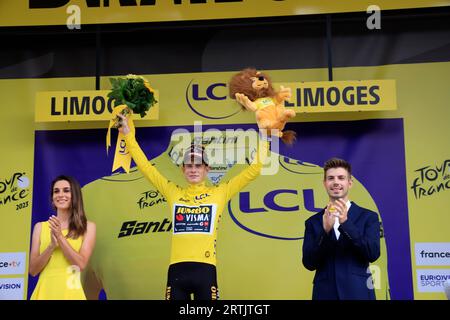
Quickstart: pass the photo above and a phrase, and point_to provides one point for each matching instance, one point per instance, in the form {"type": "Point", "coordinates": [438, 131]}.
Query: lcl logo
{"type": "Point", "coordinates": [205, 100]}
{"type": "Point", "coordinates": [209, 92]}
{"type": "Point", "coordinates": [270, 203]}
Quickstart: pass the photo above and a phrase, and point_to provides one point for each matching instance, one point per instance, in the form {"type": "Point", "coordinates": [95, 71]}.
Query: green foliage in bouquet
{"type": "Point", "coordinates": [133, 91]}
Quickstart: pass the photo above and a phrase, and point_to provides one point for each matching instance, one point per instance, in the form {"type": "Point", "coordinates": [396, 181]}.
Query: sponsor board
{"type": "Point", "coordinates": [11, 288]}
{"type": "Point", "coordinates": [62, 106]}
{"type": "Point", "coordinates": [307, 97]}
{"type": "Point", "coordinates": [432, 253]}
{"type": "Point", "coordinates": [432, 280]}
{"type": "Point", "coordinates": [12, 262]}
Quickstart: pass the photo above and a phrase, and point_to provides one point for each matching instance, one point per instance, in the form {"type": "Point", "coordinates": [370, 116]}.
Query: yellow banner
{"type": "Point", "coordinates": [426, 151]}
{"type": "Point", "coordinates": [78, 12]}
{"type": "Point", "coordinates": [343, 96]}
{"type": "Point", "coordinates": [63, 106]}
{"type": "Point", "coordinates": [122, 158]}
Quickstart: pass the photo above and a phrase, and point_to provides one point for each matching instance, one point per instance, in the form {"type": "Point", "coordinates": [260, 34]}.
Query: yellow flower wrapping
{"type": "Point", "coordinates": [122, 157]}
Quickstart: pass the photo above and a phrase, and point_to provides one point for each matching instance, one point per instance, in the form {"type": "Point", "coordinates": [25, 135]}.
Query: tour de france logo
{"type": "Point", "coordinates": [15, 190]}
{"type": "Point", "coordinates": [431, 179]}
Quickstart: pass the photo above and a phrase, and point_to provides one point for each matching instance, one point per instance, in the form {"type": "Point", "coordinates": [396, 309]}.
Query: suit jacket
{"type": "Point", "coordinates": [341, 265]}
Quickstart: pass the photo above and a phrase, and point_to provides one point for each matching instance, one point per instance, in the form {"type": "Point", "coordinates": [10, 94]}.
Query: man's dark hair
{"type": "Point", "coordinates": [336, 163]}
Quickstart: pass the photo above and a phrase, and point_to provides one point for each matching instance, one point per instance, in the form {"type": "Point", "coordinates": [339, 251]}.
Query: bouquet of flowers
{"type": "Point", "coordinates": [134, 92]}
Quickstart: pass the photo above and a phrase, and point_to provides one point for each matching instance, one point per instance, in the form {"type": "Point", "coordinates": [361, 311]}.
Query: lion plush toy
{"type": "Point", "coordinates": [254, 91]}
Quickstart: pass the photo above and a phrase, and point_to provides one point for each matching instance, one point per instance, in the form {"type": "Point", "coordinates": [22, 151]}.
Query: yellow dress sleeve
{"type": "Point", "coordinates": [247, 175]}
{"type": "Point", "coordinates": [163, 185]}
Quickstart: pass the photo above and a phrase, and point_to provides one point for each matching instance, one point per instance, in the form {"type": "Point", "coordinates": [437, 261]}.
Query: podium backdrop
{"type": "Point", "coordinates": [400, 157]}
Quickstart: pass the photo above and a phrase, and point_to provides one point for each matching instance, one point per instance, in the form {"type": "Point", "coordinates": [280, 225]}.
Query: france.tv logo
{"type": "Point", "coordinates": [210, 100]}
{"type": "Point", "coordinates": [12, 262]}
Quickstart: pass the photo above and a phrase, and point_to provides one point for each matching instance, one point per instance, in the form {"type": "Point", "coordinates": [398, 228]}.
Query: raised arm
{"type": "Point", "coordinates": [238, 182]}
{"type": "Point", "coordinates": [148, 170]}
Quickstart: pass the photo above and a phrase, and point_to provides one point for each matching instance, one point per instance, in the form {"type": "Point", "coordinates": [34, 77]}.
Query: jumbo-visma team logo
{"type": "Point", "coordinates": [210, 100]}
{"type": "Point", "coordinates": [194, 219]}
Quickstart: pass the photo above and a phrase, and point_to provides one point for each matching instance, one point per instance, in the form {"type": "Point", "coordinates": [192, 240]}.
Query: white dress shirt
{"type": "Point", "coordinates": [336, 221]}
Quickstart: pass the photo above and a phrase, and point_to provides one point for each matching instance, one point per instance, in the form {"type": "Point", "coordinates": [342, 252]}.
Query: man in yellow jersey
{"type": "Point", "coordinates": [196, 213]}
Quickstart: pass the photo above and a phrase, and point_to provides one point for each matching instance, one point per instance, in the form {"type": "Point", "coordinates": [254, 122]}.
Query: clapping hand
{"type": "Point", "coordinates": [340, 210]}
{"type": "Point", "coordinates": [55, 228]}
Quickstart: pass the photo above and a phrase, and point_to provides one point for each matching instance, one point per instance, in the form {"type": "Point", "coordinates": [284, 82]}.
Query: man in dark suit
{"type": "Point", "coordinates": [341, 240]}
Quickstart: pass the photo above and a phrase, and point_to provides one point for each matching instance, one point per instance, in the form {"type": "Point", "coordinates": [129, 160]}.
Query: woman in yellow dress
{"type": "Point", "coordinates": [61, 247]}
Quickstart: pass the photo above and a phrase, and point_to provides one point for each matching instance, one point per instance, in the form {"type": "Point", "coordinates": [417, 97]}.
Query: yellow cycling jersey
{"type": "Point", "coordinates": [196, 210]}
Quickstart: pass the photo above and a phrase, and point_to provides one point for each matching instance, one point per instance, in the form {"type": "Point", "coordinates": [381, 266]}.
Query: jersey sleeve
{"type": "Point", "coordinates": [250, 173]}
{"type": "Point", "coordinates": [163, 185]}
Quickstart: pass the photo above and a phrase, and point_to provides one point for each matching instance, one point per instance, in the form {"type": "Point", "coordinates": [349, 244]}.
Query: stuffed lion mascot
{"type": "Point", "coordinates": [254, 91]}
